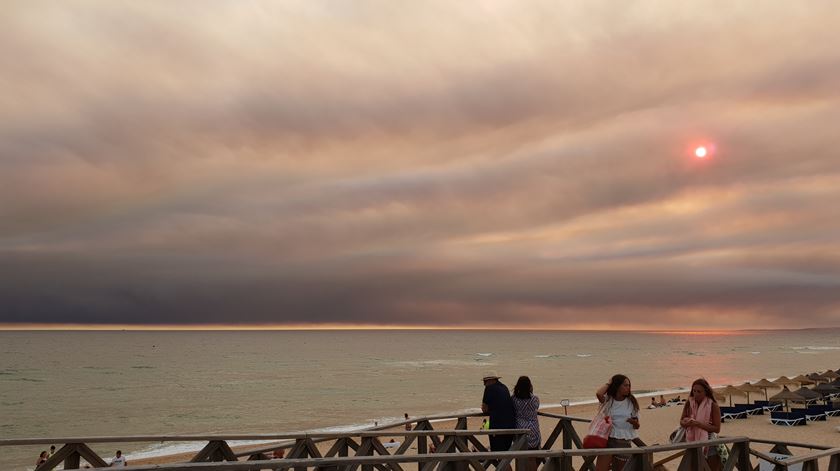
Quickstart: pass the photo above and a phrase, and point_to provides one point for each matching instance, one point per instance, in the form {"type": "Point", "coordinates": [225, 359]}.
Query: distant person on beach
{"type": "Point", "coordinates": [52, 450]}
{"type": "Point", "coordinates": [617, 397]}
{"type": "Point", "coordinates": [662, 402]}
{"type": "Point", "coordinates": [700, 417]}
{"type": "Point", "coordinates": [278, 453]}
{"type": "Point", "coordinates": [407, 426]}
{"type": "Point", "coordinates": [653, 403]}
{"type": "Point", "coordinates": [42, 458]}
{"type": "Point", "coordinates": [499, 406]}
{"type": "Point", "coordinates": [119, 460]}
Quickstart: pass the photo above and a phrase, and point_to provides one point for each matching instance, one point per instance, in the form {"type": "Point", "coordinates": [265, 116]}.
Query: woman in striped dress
{"type": "Point", "coordinates": [525, 405]}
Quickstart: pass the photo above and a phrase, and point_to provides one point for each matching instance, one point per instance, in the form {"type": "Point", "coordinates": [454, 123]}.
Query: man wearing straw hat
{"type": "Point", "coordinates": [499, 406]}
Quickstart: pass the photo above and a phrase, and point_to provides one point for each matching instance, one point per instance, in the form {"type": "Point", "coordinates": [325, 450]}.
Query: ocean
{"type": "Point", "coordinates": [86, 383]}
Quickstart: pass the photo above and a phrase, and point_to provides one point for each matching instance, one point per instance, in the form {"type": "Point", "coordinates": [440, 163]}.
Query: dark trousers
{"type": "Point", "coordinates": [500, 442]}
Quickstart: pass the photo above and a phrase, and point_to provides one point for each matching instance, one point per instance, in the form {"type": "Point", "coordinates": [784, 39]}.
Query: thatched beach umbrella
{"type": "Point", "coordinates": [784, 381]}
{"type": "Point", "coordinates": [749, 388]}
{"type": "Point", "coordinates": [763, 383]}
{"type": "Point", "coordinates": [808, 393]}
{"type": "Point", "coordinates": [817, 378]}
{"type": "Point", "coordinates": [802, 380]}
{"type": "Point", "coordinates": [830, 375]}
{"type": "Point", "coordinates": [826, 389]}
{"type": "Point", "coordinates": [787, 395]}
{"type": "Point", "coordinates": [730, 391]}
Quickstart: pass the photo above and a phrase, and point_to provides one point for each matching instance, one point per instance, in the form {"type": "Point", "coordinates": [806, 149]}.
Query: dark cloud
{"type": "Point", "coordinates": [302, 163]}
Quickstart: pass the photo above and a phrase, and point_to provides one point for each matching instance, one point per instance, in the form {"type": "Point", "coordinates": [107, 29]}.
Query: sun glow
{"type": "Point", "coordinates": [701, 152]}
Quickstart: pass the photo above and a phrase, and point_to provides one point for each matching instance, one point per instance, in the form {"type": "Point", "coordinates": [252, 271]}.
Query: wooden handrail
{"type": "Point", "coordinates": [425, 458]}
{"type": "Point", "coordinates": [282, 436]}
{"type": "Point", "coordinates": [563, 417]}
{"type": "Point", "coordinates": [809, 457]}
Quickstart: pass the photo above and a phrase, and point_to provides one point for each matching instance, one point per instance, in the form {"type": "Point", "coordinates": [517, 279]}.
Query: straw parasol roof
{"type": "Point", "coordinates": [730, 391]}
{"type": "Point", "coordinates": [763, 383]}
{"type": "Point", "coordinates": [784, 381]}
{"type": "Point", "coordinates": [803, 380]}
{"type": "Point", "coordinates": [826, 389]}
{"type": "Point", "coordinates": [818, 378]}
{"type": "Point", "coordinates": [749, 388]}
{"type": "Point", "coordinates": [830, 375]}
{"type": "Point", "coordinates": [808, 393]}
{"type": "Point", "coordinates": [787, 395]}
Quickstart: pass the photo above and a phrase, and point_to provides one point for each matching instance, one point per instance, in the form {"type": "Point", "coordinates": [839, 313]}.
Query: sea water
{"type": "Point", "coordinates": [86, 383]}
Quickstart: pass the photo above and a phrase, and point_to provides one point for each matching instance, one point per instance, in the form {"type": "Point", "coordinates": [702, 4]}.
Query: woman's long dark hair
{"type": "Point", "coordinates": [523, 388]}
{"type": "Point", "coordinates": [705, 385]}
{"type": "Point", "coordinates": [616, 383]}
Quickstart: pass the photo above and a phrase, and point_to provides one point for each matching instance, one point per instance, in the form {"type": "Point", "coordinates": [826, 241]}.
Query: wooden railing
{"type": "Point", "coordinates": [454, 450]}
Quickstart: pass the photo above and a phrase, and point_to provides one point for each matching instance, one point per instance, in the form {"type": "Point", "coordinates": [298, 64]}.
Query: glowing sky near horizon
{"type": "Point", "coordinates": [431, 163]}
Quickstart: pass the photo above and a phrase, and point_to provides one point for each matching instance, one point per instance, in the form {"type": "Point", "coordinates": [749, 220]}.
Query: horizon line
{"type": "Point", "coordinates": [369, 327]}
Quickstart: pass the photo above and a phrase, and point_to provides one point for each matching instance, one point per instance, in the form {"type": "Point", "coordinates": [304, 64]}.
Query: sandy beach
{"type": "Point", "coordinates": [657, 424]}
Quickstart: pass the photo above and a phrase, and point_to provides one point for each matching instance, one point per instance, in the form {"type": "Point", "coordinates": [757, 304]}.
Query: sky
{"type": "Point", "coordinates": [500, 164]}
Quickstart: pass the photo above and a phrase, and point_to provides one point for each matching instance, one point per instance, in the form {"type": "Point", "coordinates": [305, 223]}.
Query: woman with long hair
{"type": "Point", "coordinates": [700, 417]}
{"type": "Point", "coordinates": [525, 405]}
{"type": "Point", "coordinates": [616, 397]}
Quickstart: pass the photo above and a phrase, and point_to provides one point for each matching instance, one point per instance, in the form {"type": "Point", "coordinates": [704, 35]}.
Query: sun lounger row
{"type": "Point", "coordinates": [801, 416]}
{"type": "Point", "coordinates": [788, 418]}
{"type": "Point", "coordinates": [740, 411]}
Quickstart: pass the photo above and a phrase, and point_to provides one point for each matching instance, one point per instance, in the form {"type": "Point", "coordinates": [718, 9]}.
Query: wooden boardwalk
{"type": "Point", "coordinates": [454, 450]}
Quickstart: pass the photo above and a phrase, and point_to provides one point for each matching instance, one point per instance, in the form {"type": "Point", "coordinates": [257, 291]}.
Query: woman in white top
{"type": "Point", "coordinates": [623, 409]}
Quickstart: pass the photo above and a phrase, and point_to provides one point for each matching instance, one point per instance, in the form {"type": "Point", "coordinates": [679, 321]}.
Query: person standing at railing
{"type": "Point", "coordinates": [623, 410]}
{"type": "Point", "coordinates": [701, 417]}
{"type": "Point", "coordinates": [499, 406]}
{"type": "Point", "coordinates": [526, 404]}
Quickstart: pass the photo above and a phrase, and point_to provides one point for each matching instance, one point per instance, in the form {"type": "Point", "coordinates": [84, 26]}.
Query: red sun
{"type": "Point", "coordinates": [701, 152]}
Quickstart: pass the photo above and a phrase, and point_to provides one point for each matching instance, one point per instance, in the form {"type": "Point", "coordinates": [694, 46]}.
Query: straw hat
{"type": "Point", "coordinates": [490, 375]}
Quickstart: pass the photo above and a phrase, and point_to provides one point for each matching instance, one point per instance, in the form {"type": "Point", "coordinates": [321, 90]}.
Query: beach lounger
{"type": "Point", "coordinates": [769, 405]}
{"type": "Point", "coordinates": [811, 413]}
{"type": "Point", "coordinates": [751, 409]}
{"type": "Point", "coordinates": [828, 410]}
{"type": "Point", "coordinates": [788, 418]}
{"type": "Point", "coordinates": [732, 413]}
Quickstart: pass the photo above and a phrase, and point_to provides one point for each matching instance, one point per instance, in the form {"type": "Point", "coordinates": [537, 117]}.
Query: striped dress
{"type": "Point", "coordinates": [526, 417]}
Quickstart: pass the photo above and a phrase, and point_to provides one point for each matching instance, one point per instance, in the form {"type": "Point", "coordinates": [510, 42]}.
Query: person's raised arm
{"type": "Point", "coordinates": [601, 393]}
